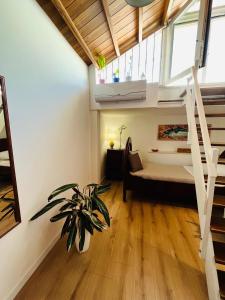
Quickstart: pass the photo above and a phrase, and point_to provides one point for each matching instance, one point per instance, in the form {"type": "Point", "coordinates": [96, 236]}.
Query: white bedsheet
{"type": "Point", "coordinates": [163, 172]}
{"type": "Point", "coordinates": [5, 163]}
{"type": "Point", "coordinates": [220, 170]}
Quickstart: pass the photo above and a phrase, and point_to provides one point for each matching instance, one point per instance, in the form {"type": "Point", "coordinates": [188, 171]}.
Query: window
{"type": "Point", "coordinates": [183, 42]}
{"type": "Point", "coordinates": [215, 63]}
{"type": "Point", "coordinates": [140, 62]}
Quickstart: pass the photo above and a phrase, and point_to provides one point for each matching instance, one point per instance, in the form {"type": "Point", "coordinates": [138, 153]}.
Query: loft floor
{"type": "Point", "coordinates": [150, 252]}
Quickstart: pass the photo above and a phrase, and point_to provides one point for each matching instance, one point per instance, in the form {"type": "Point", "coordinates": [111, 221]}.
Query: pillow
{"type": "Point", "coordinates": [135, 162]}
{"type": "Point", "coordinates": [4, 155]}
{"type": "Point", "coordinates": [139, 153]}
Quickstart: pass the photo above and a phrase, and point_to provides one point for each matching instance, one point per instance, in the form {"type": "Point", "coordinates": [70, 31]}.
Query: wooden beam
{"type": "Point", "coordinates": [140, 24]}
{"type": "Point", "coordinates": [66, 17]}
{"type": "Point", "coordinates": [109, 21]}
{"type": "Point", "coordinates": [167, 10]}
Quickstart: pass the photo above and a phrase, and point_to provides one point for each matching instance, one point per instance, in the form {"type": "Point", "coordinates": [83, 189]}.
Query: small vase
{"type": "Point", "coordinates": [86, 241]}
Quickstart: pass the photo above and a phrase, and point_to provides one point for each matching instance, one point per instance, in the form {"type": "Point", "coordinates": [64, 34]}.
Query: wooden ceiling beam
{"type": "Point", "coordinates": [140, 24]}
{"type": "Point", "coordinates": [167, 10]}
{"type": "Point", "coordinates": [66, 17]}
{"type": "Point", "coordinates": [109, 21]}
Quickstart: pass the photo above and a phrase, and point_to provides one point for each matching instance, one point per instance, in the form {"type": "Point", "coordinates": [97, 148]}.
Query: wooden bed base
{"type": "Point", "coordinates": [180, 193]}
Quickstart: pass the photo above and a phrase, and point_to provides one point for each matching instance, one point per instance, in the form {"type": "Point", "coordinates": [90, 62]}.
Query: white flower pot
{"type": "Point", "coordinates": [86, 241]}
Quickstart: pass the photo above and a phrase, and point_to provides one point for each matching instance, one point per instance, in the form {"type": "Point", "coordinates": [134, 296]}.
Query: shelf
{"type": "Point", "coordinates": [168, 152]}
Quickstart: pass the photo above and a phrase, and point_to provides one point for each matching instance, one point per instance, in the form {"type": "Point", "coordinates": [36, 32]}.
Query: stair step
{"type": "Point", "coordinates": [214, 144]}
{"type": "Point", "coordinates": [219, 201]}
{"type": "Point", "coordinates": [221, 278]}
{"type": "Point", "coordinates": [210, 91]}
{"type": "Point", "coordinates": [219, 115]}
{"type": "Point", "coordinates": [219, 250]}
{"type": "Point", "coordinates": [220, 161]}
{"type": "Point", "coordinates": [217, 128]}
{"type": "Point", "coordinates": [213, 102]}
{"type": "Point", "coordinates": [218, 237]}
{"type": "Point", "coordinates": [218, 225]}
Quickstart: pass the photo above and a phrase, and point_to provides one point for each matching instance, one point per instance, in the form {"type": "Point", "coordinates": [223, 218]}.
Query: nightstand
{"type": "Point", "coordinates": [114, 163]}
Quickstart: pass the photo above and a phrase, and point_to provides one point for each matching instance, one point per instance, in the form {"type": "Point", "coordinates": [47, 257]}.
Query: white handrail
{"type": "Point", "coordinates": [204, 191]}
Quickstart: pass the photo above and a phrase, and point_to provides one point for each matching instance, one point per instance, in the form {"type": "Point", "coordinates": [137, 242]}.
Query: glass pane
{"type": "Point", "coordinates": [142, 64]}
{"type": "Point", "coordinates": [157, 57]}
{"type": "Point", "coordinates": [135, 63]}
{"type": "Point", "coordinates": [109, 73]}
{"type": "Point", "coordinates": [217, 3]}
{"type": "Point", "coordinates": [184, 43]}
{"type": "Point", "coordinates": [122, 68]}
{"type": "Point", "coordinates": [128, 65]}
{"type": "Point", "coordinates": [216, 59]}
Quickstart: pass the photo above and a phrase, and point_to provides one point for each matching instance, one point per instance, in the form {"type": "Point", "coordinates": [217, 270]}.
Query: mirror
{"type": "Point", "coordinates": [9, 205]}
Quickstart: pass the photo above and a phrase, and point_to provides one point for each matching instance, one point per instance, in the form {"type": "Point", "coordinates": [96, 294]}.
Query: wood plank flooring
{"type": "Point", "coordinates": [150, 253]}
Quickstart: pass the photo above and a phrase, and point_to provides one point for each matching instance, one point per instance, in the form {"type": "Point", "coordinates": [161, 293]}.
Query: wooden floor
{"type": "Point", "coordinates": [150, 252]}
{"type": "Point", "coordinates": [9, 222]}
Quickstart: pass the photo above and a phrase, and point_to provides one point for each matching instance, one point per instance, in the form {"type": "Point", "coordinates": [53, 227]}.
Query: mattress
{"type": "Point", "coordinates": [5, 163]}
{"type": "Point", "coordinates": [163, 172]}
{"type": "Point", "coordinates": [220, 170]}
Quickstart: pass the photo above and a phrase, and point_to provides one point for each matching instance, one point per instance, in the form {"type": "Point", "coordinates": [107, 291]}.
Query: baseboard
{"type": "Point", "coordinates": [31, 270]}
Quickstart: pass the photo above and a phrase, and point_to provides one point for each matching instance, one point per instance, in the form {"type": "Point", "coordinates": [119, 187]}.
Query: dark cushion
{"type": "Point", "coordinates": [135, 162]}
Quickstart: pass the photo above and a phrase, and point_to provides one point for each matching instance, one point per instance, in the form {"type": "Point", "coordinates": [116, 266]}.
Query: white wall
{"type": "Point", "coordinates": [48, 99]}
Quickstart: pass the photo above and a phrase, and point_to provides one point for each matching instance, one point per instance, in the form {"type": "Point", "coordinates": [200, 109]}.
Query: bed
{"type": "Point", "coordinates": [161, 182]}
{"type": "Point", "coordinates": [5, 170]}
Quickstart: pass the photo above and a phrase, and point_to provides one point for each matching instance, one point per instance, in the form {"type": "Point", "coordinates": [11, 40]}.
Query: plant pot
{"type": "Point", "coordinates": [102, 81]}
{"type": "Point", "coordinates": [116, 79]}
{"type": "Point", "coordinates": [86, 242]}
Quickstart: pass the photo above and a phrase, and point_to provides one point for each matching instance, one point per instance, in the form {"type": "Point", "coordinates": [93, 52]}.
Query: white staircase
{"type": "Point", "coordinates": [205, 185]}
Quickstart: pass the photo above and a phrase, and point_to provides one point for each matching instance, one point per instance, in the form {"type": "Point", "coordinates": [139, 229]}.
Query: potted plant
{"type": "Point", "coordinates": [116, 76]}
{"type": "Point", "coordinates": [101, 63]}
{"type": "Point", "coordinates": [82, 212]}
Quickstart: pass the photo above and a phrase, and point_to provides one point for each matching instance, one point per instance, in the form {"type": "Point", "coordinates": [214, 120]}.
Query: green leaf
{"type": "Point", "coordinates": [88, 223]}
{"type": "Point", "coordinates": [47, 208]}
{"type": "Point", "coordinates": [102, 208]}
{"type": "Point", "coordinates": [82, 234]}
{"type": "Point", "coordinates": [62, 189]}
{"type": "Point", "coordinates": [8, 206]}
{"type": "Point", "coordinates": [66, 206]}
{"type": "Point", "coordinates": [60, 216]}
{"type": "Point", "coordinates": [6, 214]}
{"type": "Point", "coordinates": [66, 225]}
{"type": "Point", "coordinates": [7, 200]}
{"type": "Point", "coordinates": [101, 189]}
{"type": "Point", "coordinates": [72, 233]}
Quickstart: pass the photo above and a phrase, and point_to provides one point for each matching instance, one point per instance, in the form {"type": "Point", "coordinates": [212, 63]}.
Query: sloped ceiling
{"type": "Point", "coordinates": [107, 27]}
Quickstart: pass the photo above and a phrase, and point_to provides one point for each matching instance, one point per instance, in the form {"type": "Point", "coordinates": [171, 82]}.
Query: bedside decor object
{"type": "Point", "coordinates": [123, 127]}
{"type": "Point", "coordinates": [111, 144]}
{"type": "Point", "coordinates": [114, 164]}
{"type": "Point", "coordinates": [183, 150]}
{"type": "Point", "coordinates": [81, 213]}
{"type": "Point", "coordinates": [102, 64]}
{"type": "Point", "coordinates": [116, 76]}
{"type": "Point", "coordinates": [173, 132]}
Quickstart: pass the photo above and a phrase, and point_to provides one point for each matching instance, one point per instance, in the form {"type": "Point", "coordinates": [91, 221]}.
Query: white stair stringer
{"type": "Point", "coordinates": [204, 192]}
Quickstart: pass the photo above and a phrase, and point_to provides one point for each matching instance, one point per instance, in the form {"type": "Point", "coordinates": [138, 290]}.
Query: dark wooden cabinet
{"type": "Point", "coordinates": [114, 164]}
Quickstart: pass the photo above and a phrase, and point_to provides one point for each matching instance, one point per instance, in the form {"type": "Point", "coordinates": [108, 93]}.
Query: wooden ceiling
{"type": "Point", "coordinates": [107, 27]}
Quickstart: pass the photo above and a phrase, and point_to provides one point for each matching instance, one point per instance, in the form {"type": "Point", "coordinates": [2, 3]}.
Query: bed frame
{"type": "Point", "coordinates": [176, 192]}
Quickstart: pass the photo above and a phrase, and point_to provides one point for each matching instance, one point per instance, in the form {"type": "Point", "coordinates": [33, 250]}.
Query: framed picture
{"type": "Point", "coordinates": [173, 132]}
{"type": "Point", "coordinates": [177, 132]}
